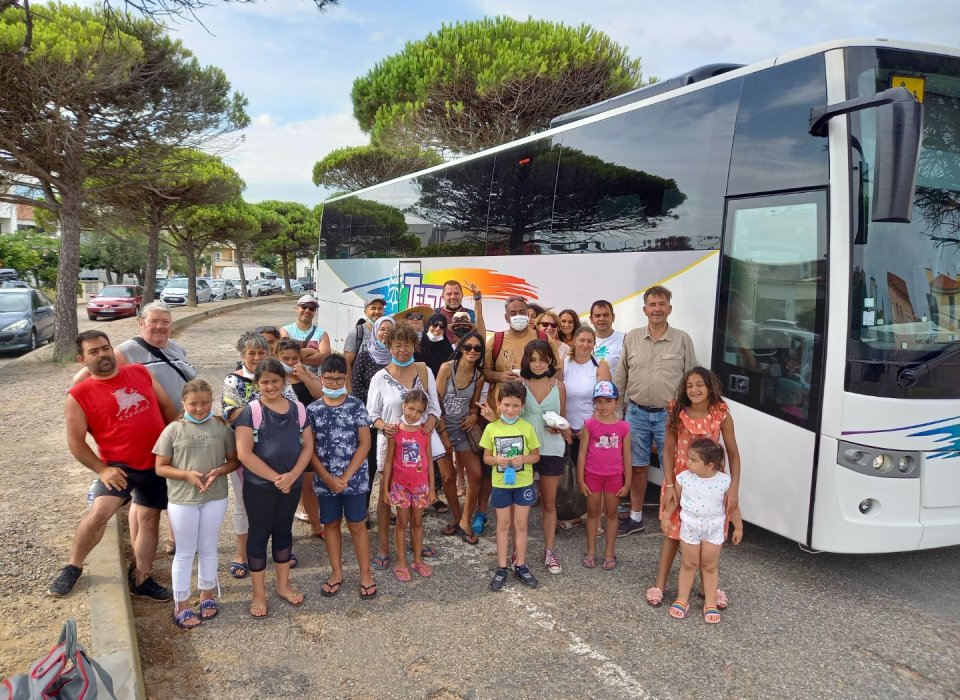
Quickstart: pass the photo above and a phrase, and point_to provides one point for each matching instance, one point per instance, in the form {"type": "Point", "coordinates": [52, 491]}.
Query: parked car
{"type": "Point", "coordinates": [263, 287]}
{"type": "Point", "coordinates": [236, 284]}
{"type": "Point", "coordinates": [115, 301]}
{"type": "Point", "coordinates": [222, 290]}
{"type": "Point", "coordinates": [158, 286]}
{"type": "Point", "coordinates": [14, 284]}
{"type": "Point", "coordinates": [177, 291]}
{"type": "Point", "coordinates": [308, 284]}
{"type": "Point", "coordinates": [295, 286]}
{"type": "Point", "coordinates": [27, 319]}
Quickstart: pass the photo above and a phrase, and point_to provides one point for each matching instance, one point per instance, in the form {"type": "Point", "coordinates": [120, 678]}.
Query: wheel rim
{"type": "Point", "coordinates": [33, 340]}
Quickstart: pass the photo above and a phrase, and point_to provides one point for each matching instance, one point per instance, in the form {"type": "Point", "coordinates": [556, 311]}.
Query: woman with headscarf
{"type": "Point", "coordinates": [372, 358]}
{"type": "Point", "coordinates": [435, 349]}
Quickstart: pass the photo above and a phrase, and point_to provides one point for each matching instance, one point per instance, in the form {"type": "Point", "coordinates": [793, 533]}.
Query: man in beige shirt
{"type": "Point", "coordinates": [654, 360]}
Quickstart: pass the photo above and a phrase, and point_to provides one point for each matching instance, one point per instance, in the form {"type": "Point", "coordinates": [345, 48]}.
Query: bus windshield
{"type": "Point", "coordinates": [905, 281]}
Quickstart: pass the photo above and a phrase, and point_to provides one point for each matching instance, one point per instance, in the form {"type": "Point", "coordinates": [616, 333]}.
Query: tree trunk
{"type": "Point", "coordinates": [108, 274]}
{"type": "Point", "coordinates": [150, 266]}
{"type": "Point", "coordinates": [243, 277]}
{"type": "Point", "coordinates": [286, 272]}
{"type": "Point", "coordinates": [68, 272]}
{"type": "Point", "coordinates": [191, 255]}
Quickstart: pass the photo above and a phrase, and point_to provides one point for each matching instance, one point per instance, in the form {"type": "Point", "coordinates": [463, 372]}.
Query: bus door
{"type": "Point", "coordinates": [768, 349]}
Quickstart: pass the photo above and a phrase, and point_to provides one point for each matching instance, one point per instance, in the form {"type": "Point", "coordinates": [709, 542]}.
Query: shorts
{"type": "Point", "coordinates": [694, 530]}
{"type": "Point", "coordinates": [402, 497]}
{"type": "Point", "coordinates": [520, 496]}
{"type": "Point", "coordinates": [646, 427]}
{"type": "Point", "coordinates": [148, 489]}
{"type": "Point", "coordinates": [603, 483]}
{"type": "Point", "coordinates": [458, 439]}
{"type": "Point", "coordinates": [352, 507]}
{"type": "Point", "coordinates": [550, 465]}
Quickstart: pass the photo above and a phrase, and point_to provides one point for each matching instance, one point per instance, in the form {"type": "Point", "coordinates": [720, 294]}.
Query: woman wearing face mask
{"type": "Point", "coordinates": [435, 349]}
{"type": "Point", "coordinates": [373, 358]}
{"type": "Point", "coordinates": [385, 407]}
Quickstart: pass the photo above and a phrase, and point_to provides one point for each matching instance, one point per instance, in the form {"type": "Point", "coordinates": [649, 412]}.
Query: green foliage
{"type": "Point", "coordinates": [289, 230]}
{"type": "Point", "coordinates": [356, 167]}
{"type": "Point", "coordinates": [477, 84]}
{"type": "Point", "coordinates": [30, 252]}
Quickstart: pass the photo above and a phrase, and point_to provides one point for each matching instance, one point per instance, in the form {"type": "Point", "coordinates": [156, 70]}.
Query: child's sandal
{"type": "Point", "coordinates": [711, 616]}
{"type": "Point", "coordinates": [678, 609]}
{"type": "Point", "coordinates": [654, 596]}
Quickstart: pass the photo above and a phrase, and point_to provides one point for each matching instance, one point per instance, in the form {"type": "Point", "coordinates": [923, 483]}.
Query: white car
{"type": "Point", "coordinates": [236, 285]}
{"type": "Point", "coordinates": [295, 287]}
{"type": "Point", "coordinates": [176, 291]}
{"type": "Point", "coordinates": [223, 290]}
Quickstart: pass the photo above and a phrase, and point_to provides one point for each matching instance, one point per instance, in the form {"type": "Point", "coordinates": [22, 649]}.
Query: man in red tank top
{"type": "Point", "coordinates": [125, 409]}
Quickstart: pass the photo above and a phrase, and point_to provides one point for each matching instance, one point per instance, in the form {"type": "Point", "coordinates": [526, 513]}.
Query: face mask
{"type": "Point", "coordinates": [379, 344]}
{"type": "Point", "coordinates": [197, 420]}
{"type": "Point", "coordinates": [519, 323]}
{"type": "Point", "coordinates": [287, 368]}
{"type": "Point", "coordinates": [334, 393]}
{"type": "Point", "coordinates": [402, 364]}
{"type": "Point", "coordinates": [404, 421]}
{"type": "Point", "coordinates": [460, 331]}
{"type": "Point", "coordinates": [435, 337]}
{"type": "Point", "coordinates": [510, 421]}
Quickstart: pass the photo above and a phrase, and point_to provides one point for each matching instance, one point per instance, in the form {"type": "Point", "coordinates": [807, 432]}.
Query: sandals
{"type": "Point", "coordinates": [381, 562]}
{"type": "Point", "coordinates": [239, 569]}
{"type": "Point", "coordinates": [711, 616]}
{"type": "Point", "coordinates": [292, 599]}
{"type": "Point", "coordinates": [180, 619]}
{"type": "Point", "coordinates": [293, 560]}
{"type": "Point", "coordinates": [402, 573]}
{"type": "Point", "coordinates": [368, 592]}
{"type": "Point", "coordinates": [451, 529]}
{"type": "Point", "coordinates": [439, 507]}
{"type": "Point", "coordinates": [564, 525]}
{"type": "Point", "coordinates": [425, 570]}
{"type": "Point", "coordinates": [328, 589]}
{"type": "Point", "coordinates": [678, 609]}
{"type": "Point", "coordinates": [609, 564]}
{"type": "Point", "coordinates": [588, 562]}
{"type": "Point", "coordinates": [259, 612]}
{"type": "Point", "coordinates": [467, 537]}
{"type": "Point", "coordinates": [722, 600]}
{"type": "Point", "coordinates": [654, 596]}
{"type": "Point", "coordinates": [208, 605]}
{"type": "Point", "coordinates": [429, 552]}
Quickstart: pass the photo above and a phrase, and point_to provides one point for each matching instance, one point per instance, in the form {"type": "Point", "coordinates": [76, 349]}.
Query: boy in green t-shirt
{"type": "Point", "coordinates": [511, 447]}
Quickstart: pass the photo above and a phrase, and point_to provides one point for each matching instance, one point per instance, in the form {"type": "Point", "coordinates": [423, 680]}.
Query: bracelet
{"type": "Point", "coordinates": [477, 297]}
{"type": "Point", "coordinates": [669, 486]}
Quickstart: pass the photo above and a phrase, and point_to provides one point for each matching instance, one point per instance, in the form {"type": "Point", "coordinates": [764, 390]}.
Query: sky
{"type": "Point", "coordinates": [296, 65]}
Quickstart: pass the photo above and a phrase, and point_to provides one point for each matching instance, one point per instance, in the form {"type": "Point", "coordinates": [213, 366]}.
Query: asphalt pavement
{"type": "Point", "coordinates": [798, 625]}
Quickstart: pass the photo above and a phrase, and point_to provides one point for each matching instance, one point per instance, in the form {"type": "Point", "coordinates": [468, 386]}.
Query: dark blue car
{"type": "Point", "coordinates": [27, 319]}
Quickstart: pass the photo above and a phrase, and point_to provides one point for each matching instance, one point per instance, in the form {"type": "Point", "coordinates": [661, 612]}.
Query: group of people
{"type": "Point", "coordinates": [415, 398]}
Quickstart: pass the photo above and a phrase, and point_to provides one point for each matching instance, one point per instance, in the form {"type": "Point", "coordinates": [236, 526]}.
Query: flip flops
{"type": "Point", "coordinates": [259, 612]}
{"type": "Point", "coordinates": [381, 562]}
{"type": "Point", "coordinates": [368, 592]}
{"type": "Point", "coordinates": [450, 530]}
{"type": "Point", "coordinates": [239, 569]}
{"type": "Point", "coordinates": [467, 537]}
{"type": "Point", "coordinates": [609, 564]}
{"type": "Point", "coordinates": [328, 589]}
{"type": "Point", "coordinates": [425, 570]}
{"type": "Point", "coordinates": [588, 562]}
{"type": "Point", "coordinates": [292, 599]}
{"type": "Point", "coordinates": [402, 573]}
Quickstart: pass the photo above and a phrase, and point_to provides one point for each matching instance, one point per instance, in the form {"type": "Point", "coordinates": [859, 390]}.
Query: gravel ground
{"type": "Point", "coordinates": [799, 625]}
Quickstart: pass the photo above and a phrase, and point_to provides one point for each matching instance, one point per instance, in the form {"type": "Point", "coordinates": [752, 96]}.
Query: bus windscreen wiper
{"type": "Point", "coordinates": [908, 376]}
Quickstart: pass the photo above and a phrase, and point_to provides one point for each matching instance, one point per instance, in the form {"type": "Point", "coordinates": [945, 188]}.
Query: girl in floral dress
{"type": "Point", "coordinates": [697, 411]}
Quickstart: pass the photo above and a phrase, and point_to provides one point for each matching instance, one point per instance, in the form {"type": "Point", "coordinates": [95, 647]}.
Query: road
{"type": "Point", "coordinates": [799, 625]}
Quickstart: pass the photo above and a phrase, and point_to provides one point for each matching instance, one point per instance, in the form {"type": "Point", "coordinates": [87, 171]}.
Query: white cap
{"type": "Point", "coordinates": [307, 299]}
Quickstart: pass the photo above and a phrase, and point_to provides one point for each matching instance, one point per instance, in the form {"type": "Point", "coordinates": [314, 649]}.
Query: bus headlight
{"type": "Point", "coordinates": [882, 463]}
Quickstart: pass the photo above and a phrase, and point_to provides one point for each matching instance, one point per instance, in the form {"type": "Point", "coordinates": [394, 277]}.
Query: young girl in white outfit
{"type": "Point", "coordinates": [703, 525]}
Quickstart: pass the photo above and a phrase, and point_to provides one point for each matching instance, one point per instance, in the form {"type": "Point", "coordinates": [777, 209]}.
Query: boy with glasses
{"type": "Point", "coordinates": [341, 429]}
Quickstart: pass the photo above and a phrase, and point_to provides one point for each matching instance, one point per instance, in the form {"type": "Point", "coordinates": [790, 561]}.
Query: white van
{"type": "Point", "coordinates": [250, 272]}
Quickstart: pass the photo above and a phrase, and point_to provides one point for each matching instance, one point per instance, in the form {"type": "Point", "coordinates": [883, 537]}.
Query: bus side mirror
{"type": "Point", "coordinates": [899, 133]}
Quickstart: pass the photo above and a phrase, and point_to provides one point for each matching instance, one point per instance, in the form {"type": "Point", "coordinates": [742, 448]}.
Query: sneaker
{"type": "Point", "coordinates": [551, 562]}
{"type": "Point", "coordinates": [526, 578]}
{"type": "Point", "coordinates": [151, 589]}
{"type": "Point", "coordinates": [629, 527]}
{"type": "Point", "coordinates": [64, 583]}
{"type": "Point", "coordinates": [499, 578]}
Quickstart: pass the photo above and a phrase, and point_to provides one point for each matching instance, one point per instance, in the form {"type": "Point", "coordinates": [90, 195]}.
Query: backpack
{"type": "Point", "coordinates": [498, 344]}
{"type": "Point", "coordinates": [256, 413]}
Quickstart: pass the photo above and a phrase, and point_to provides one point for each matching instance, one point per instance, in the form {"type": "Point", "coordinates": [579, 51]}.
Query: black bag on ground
{"type": "Point", "coordinates": [571, 504]}
{"type": "Point", "coordinates": [66, 673]}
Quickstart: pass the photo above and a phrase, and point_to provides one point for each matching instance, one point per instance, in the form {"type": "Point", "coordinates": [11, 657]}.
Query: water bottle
{"type": "Point", "coordinates": [93, 485]}
{"type": "Point", "coordinates": [510, 476]}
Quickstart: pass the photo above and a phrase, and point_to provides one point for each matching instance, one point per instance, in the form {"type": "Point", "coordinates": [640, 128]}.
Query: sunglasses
{"type": "Point", "coordinates": [471, 348]}
{"type": "Point", "coordinates": [415, 317]}
{"type": "Point", "coordinates": [546, 324]}
{"type": "Point", "coordinates": [272, 330]}
{"type": "Point", "coordinates": [438, 324]}
{"type": "Point", "coordinates": [309, 307]}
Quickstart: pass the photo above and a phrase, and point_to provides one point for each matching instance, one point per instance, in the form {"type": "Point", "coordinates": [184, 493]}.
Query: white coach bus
{"type": "Point", "coordinates": [805, 213]}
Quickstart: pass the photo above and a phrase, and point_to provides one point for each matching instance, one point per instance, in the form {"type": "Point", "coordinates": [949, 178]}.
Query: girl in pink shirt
{"type": "Point", "coordinates": [603, 470]}
{"type": "Point", "coordinates": [408, 483]}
